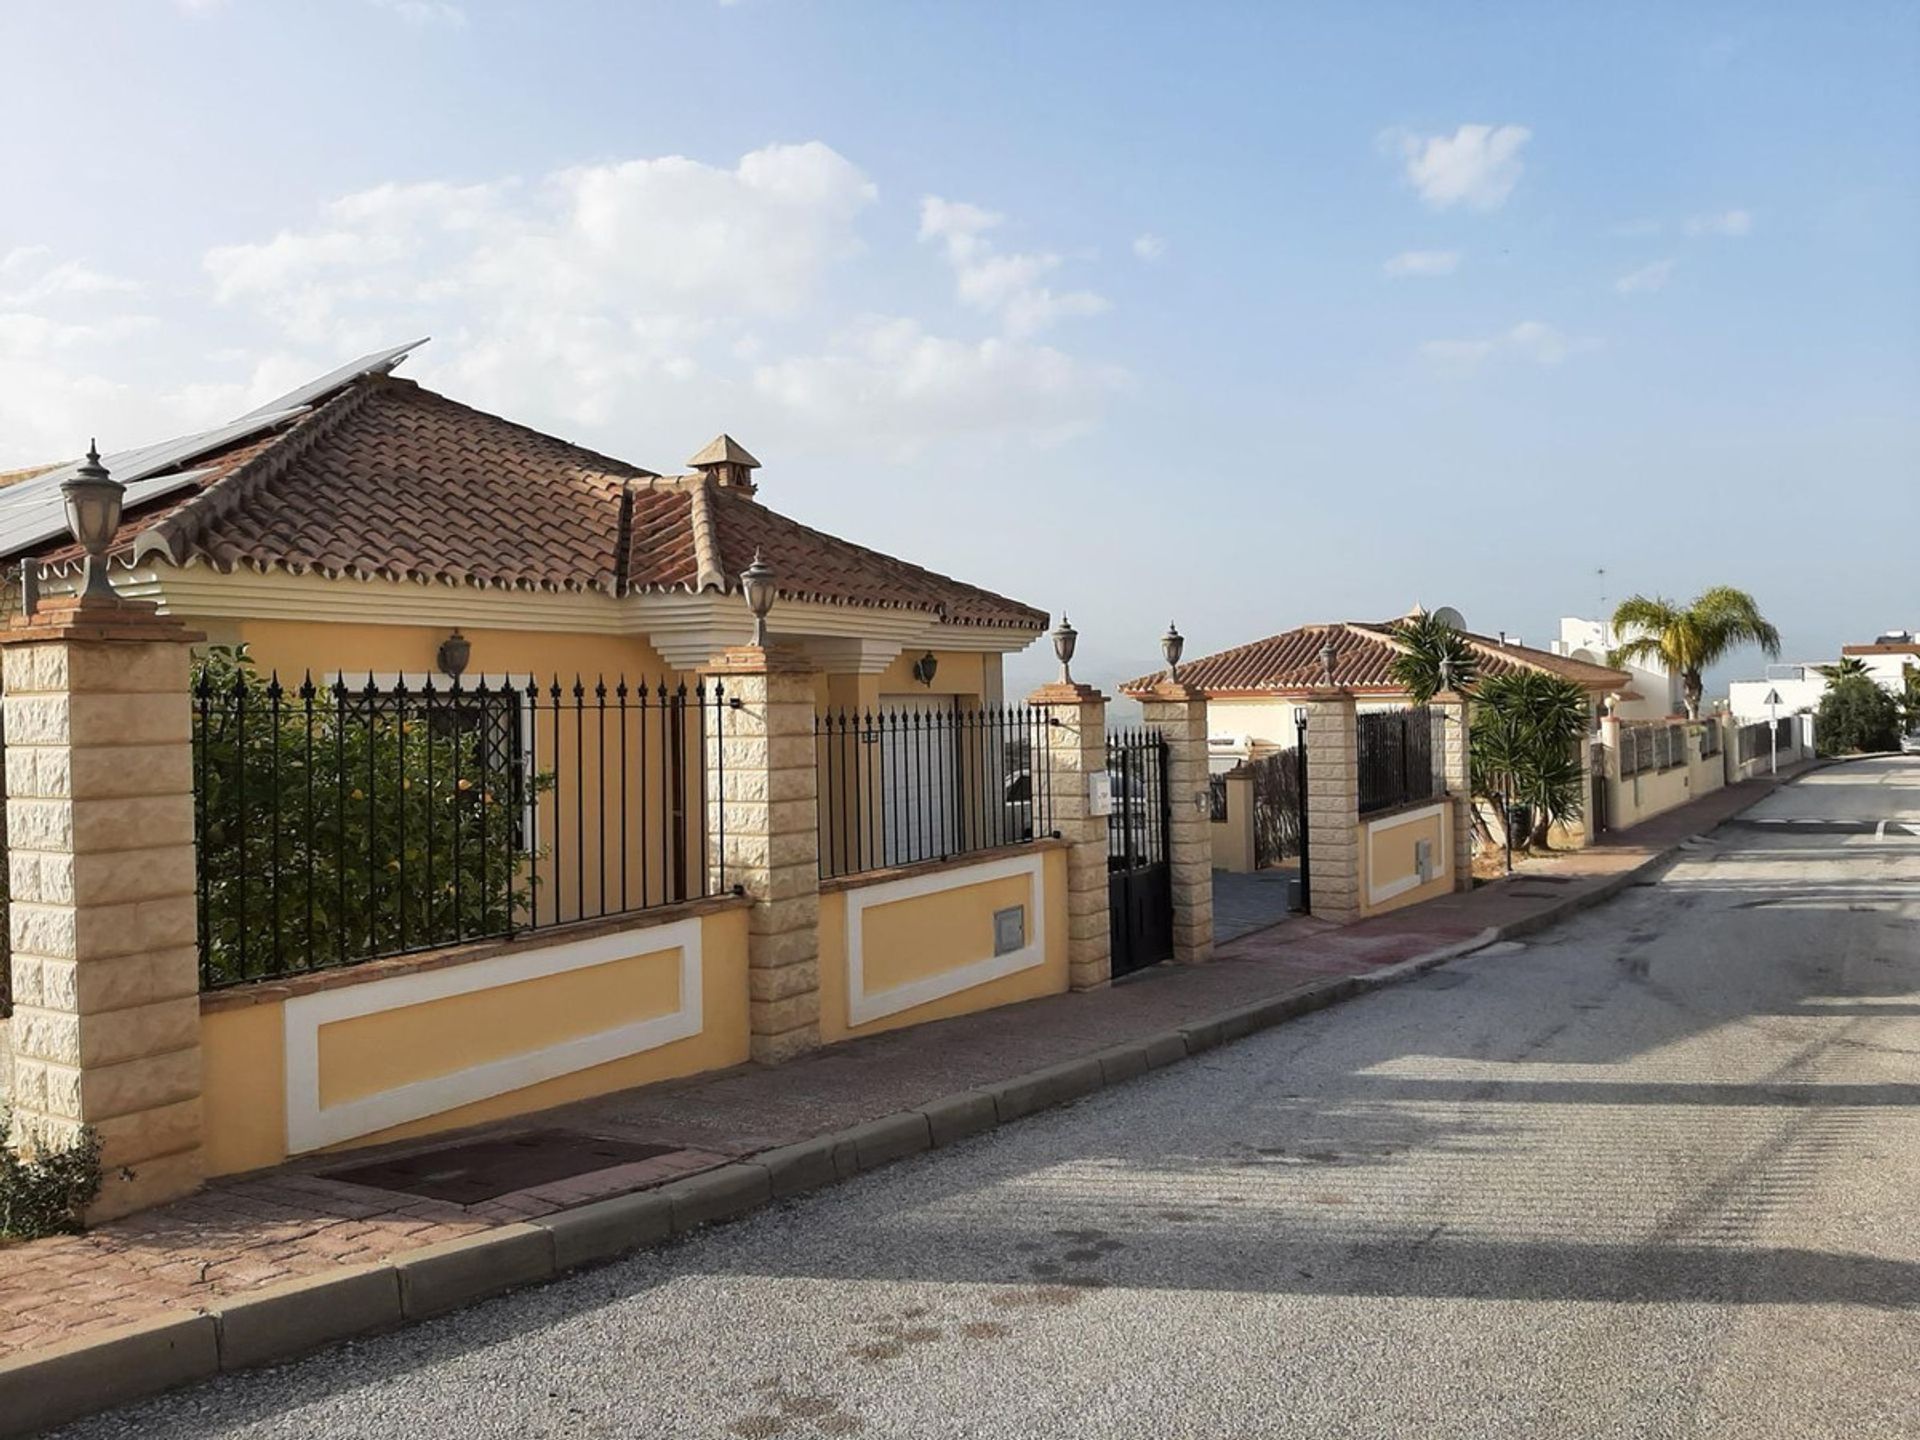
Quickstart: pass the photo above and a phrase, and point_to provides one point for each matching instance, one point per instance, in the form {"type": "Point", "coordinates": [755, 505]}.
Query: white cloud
{"type": "Point", "coordinates": [890, 382]}
{"type": "Point", "coordinates": [1478, 165]}
{"type": "Point", "coordinates": [53, 281]}
{"type": "Point", "coordinates": [1530, 340]}
{"type": "Point", "coordinates": [1008, 285]}
{"type": "Point", "coordinates": [634, 304]}
{"type": "Point", "coordinates": [1422, 262]}
{"type": "Point", "coordinates": [1647, 278]}
{"type": "Point", "coordinates": [1149, 246]}
{"type": "Point", "coordinates": [1733, 223]}
{"type": "Point", "coordinates": [598, 276]}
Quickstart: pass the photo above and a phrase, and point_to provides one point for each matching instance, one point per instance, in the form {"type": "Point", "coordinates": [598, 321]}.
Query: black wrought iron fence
{"type": "Point", "coordinates": [1395, 758]}
{"type": "Point", "coordinates": [338, 823]}
{"type": "Point", "coordinates": [1652, 747]}
{"type": "Point", "coordinates": [1755, 740]}
{"type": "Point", "coordinates": [898, 785]}
{"type": "Point", "coordinates": [1139, 825]}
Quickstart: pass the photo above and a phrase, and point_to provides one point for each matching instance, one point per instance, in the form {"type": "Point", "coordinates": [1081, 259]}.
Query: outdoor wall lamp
{"type": "Point", "coordinates": [924, 668]}
{"type": "Point", "coordinates": [756, 583]}
{"type": "Point", "coordinates": [1171, 645]}
{"type": "Point", "coordinates": [1065, 637]}
{"type": "Point", "coordinates": [93, 515]}
{"type": "Point", "coordinates": [453, 654]}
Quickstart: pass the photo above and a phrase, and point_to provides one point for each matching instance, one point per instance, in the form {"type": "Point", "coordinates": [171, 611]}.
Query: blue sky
{"type": "Point", "coordinates": [1244, 316]}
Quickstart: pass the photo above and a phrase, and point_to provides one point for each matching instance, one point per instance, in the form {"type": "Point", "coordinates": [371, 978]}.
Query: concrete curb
{"type": "Point", "coordinates": [50, 1387]}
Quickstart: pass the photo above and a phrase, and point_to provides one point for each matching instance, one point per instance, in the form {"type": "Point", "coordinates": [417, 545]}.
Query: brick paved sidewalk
{"type": "Point", "coordinates": [243, 1234]}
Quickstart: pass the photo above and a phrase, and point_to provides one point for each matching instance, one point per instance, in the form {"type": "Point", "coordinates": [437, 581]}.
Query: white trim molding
{"type": "Point", "coordinates": [311, 1127]}
{"type": "Point", "coordinates": [687, 629]}
{"type": "Point", "coordinates": [864, 1006]}
{"type": "Point", "coordinates": [1442, 859]}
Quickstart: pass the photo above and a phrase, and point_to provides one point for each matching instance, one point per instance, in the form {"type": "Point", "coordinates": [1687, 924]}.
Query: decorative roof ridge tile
{"type": "Point", "coordinates": [710, 574]}
{"type": "Point", "coordinates": [174, 534]}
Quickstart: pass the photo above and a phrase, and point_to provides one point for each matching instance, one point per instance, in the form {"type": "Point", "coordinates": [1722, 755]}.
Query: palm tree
{"type": "Point", "coordinates": [1527, 729]}
{"type": "Point", "coordinates": [1690, 638]}
{"type": "Point", "coordinates": [1434, 657]}
{"type": "Point", "coordinates": [1849, 665]}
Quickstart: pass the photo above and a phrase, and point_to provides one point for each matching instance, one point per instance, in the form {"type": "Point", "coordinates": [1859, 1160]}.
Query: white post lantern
{"type": "Point", "coordinates": [756, 583]}
{"type": "Point", "coordinates": [93, 516]}
{"type": "Point", "coordinates": [1065, 637]}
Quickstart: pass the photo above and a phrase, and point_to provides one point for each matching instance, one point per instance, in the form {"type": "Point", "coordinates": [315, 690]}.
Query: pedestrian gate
{"type": "Point", "coordinates": [1139, 875]}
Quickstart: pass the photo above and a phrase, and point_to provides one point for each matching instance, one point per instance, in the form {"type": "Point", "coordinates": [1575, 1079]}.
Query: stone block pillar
{"type": "Point", "coordinates": [767, 793]}
{"type": "Point", "coordinates": [1457, 775]}
{"type": "Point", "coordinates": [1077, 747]}
{"type": "Point", "coordinates": [106, 982]}
{"type": "Point", "coordinates": [1333, 806]}
{"type": "Point", "coordinates": [1179, 713]}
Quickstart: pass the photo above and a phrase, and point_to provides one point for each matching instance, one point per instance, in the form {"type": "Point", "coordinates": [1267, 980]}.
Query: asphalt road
{"type": "Point", "coordinates": [1655, 1174]}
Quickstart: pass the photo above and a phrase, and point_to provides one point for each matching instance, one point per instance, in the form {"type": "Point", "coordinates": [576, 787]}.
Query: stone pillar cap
{"type": "Point", "coordinates": [779, 658]}
{"type": "Point", "coordinates": [1065, 692]}
{"type": "Point", "coordinates": [68, 617]}
{"type": "Point", "coordinates": [1169, 689]}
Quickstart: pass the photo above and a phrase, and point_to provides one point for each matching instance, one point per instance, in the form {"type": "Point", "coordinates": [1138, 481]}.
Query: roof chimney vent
{"type": "Point", "coordinates": [726, 463]}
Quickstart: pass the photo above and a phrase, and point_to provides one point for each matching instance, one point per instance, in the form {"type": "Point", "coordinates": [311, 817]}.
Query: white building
{"type": "Point", "coordinates": [1798, 687]}
{"type": "Point", "coordinates": [1654, 694]}
{"type": "Point", "coordinates": [1888, 658]}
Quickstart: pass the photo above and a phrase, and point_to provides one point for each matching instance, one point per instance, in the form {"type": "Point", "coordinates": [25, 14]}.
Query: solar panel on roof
{"type": "Point", "coordinates": [33, 512]}
{"type": "Point", "coordinates": [24, 526]}
{"type": "Point", "coordinates": [24, 508]}
{"type": "Point", "coordinates": [379, 360]}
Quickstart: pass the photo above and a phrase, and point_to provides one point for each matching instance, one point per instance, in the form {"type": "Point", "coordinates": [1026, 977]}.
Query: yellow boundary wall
{"type": "Point", "coordinates": [902, 947]}
{"type": "Point", "coordinates": [1389, 875]}
{"type": "Point", "coordinates": [395, 1050]}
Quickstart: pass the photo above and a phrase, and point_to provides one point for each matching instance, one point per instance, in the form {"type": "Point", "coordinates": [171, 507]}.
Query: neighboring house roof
{"type": "Point", "coordinates": [1363, 657]}
{"type": "Point", "coordinates": [1880, 649]}
{"type": "Point", "coordinates": [381, 479]}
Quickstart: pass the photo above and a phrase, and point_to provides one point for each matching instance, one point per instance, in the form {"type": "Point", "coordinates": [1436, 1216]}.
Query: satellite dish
{"type": "Point", "coordinates": [1451, 618]}
{"type": "Point", "coordinates": [1586, 655]}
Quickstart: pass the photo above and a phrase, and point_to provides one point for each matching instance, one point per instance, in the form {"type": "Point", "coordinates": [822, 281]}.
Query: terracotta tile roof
{"type": "Point", "coordinates": [387, 480]}
{"type": "Point", "coordinates": [1362, 660]}
{"type": "Point", "coordinates": [1880, 647]}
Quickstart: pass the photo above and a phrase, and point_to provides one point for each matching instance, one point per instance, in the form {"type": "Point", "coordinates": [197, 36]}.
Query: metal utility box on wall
{"type": "Point", "coordinates": [1099, 793]}
{"type": "Point", "coordinates": [1009, 929]}
{"type": "Point", "coordinates": [1423, 859]}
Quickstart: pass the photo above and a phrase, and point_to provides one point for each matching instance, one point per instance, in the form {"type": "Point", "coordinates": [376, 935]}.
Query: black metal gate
{"type": "Point", "coordinates": [1597, 801]}
{"type": "Point", "coordinates": [1139, 877]}
{"type": "Point", "coordinates": [1300, 780]}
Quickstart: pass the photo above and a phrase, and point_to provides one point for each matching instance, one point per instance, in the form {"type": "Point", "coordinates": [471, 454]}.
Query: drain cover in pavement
{"type": "Point", "coordinates": [488, 1169]}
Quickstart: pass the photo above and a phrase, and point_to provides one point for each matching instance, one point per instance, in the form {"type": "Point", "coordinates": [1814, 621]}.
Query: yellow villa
{"type": "Point", "coordinates": [490, 814]}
